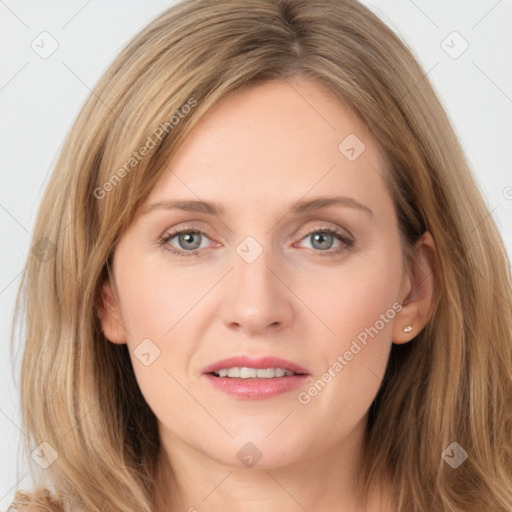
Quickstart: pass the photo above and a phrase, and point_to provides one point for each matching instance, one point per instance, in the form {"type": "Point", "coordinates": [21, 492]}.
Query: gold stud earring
{"type": "Point", "coordinates": [407, 329]}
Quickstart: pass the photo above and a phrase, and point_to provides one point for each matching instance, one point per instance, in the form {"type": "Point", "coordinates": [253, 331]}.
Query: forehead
{"type": "Point", "coordinates": [273, 142]}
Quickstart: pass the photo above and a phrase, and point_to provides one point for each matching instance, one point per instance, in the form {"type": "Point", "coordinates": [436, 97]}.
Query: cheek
{"type": "Point", "coordinates": [351, 299]}
{"type": "Point", "coordinates": [159, 307]}
{"type": "Point", "coordinates": [155, 297]}
{"type": "Point", "coordinates": [356, 304]}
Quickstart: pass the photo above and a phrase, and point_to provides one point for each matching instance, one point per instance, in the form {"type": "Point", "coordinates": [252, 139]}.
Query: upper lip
{"type": "Point", "coordinates": [255, 362]}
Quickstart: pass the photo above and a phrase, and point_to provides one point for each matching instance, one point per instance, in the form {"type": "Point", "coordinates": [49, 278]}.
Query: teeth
{"type": "Point", "coordinates": [253, 373]}
{"type": "Point", "coordinates": [245, 373]}
{"type": "Point", "coordinates": [269, 373]}
{"type": "Point", "coordinates": [234, 372]}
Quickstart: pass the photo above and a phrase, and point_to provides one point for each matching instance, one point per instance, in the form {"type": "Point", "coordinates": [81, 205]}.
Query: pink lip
{"type": "Point", "coordinates": [256, 389]}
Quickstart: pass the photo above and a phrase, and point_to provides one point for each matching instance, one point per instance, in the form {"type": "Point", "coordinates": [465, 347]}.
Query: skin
{"type": "Point", "coordinates": [256, 153]}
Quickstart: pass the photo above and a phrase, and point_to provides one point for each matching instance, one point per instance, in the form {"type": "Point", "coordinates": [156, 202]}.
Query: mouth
{"type": "Point", "coordinates": [243, 377]}
{"type": "Point", "coordinates": [245, 372]}
{"type": "Point", "coordinates": [245, 367]}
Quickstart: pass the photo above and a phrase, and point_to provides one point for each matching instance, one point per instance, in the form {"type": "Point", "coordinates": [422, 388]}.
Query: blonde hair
{"type": "Point", "coordinates": [453, 382]}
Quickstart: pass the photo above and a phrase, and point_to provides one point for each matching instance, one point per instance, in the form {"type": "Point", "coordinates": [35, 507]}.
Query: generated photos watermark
{"type": "Point", "coordinates": [151, 142]}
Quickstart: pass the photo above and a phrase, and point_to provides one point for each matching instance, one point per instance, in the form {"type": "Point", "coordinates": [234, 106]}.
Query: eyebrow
{"type": "Point", "coordinates": [300, 207]}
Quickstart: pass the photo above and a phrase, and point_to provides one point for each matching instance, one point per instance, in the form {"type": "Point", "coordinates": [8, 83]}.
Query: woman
{"type": "Point", "coordinates": [340, 338]}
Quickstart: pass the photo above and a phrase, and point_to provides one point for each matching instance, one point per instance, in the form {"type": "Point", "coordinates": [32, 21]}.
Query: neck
{"type": "Point", "coordinates": [324, 481]}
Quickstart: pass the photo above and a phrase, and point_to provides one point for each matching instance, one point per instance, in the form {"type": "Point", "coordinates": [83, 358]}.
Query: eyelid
{"type": "Point", "coordinates": [186, 226]}
{"type": "Point", "coordinates": [321, 225]}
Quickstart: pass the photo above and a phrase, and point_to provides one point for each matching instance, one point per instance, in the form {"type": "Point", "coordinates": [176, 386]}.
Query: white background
{"type": "Point", "coordinates": [40, 98]}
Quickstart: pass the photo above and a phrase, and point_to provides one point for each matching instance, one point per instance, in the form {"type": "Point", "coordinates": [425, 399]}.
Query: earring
{"type": "Point", "coordinates": [407, 329]}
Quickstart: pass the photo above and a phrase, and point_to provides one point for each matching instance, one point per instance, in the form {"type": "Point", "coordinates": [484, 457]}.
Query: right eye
{"type": "Point", "coordinates": [189, 240]}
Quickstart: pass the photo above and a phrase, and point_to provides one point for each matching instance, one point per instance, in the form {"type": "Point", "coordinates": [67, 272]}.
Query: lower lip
{"type": "Point", "coordinates": [257, 389]}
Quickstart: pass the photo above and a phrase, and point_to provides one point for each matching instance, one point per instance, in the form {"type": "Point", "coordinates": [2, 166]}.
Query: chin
{"type": "Point", "coordinates": [250, 456]}
{"type": "Point", "coordinates": [254, 450]}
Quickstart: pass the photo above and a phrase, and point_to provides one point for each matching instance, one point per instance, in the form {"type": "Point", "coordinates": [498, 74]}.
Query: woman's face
{"type": "Point", "coordinates": [317, 286]}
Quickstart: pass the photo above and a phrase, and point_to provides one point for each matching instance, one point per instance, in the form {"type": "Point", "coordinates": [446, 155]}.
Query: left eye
{"type": "Point", "coordinates": [323, 239]}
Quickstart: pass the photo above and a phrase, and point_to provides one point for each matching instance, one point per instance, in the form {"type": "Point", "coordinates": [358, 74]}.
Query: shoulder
{"type": "Point", "coordinates": [39, 500]}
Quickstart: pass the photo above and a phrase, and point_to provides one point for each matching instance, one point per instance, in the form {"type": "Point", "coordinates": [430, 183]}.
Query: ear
{"type": "Point", "coordinates": [421, 291]}
{"type": "Point", "coordinates": [109, 314]}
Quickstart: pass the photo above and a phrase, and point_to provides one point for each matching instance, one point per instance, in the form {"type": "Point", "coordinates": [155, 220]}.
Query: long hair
{"type": "Point", "coordinates": [452, 383]}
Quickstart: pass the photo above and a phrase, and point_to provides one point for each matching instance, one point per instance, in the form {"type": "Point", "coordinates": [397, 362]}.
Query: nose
{"type": "Point", "coordinates": [257, 299]}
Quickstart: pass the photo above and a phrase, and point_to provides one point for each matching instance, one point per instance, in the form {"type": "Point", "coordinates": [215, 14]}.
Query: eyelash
{"type": "Point", "coordinates": [163, 241]}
